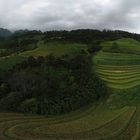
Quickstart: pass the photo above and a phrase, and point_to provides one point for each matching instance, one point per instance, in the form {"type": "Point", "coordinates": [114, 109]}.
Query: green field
{"type": "Point", "coordinates": [120, 70]}
{"type": "Point", "coordinates": [125, 45]}
{"type": "Point", "coordinates": [55, 48]}
{"type": "Point", "coordinates": [83, 124]}
{"type": "Point", "coordinates": [118, 118]}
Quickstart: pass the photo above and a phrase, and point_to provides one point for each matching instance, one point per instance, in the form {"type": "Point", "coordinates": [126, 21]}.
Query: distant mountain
{"type": "Point", "coordinates": [4, 32]}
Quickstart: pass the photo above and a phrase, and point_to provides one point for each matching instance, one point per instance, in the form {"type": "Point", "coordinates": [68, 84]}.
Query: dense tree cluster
{"type": "Point", "coordinates": [51, 85]}
{"type": "Point", "coordinates": [94, 47]}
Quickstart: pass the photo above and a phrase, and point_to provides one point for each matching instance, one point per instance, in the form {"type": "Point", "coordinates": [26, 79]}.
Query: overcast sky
{"type": "Point", "coordinates": [70, 14]}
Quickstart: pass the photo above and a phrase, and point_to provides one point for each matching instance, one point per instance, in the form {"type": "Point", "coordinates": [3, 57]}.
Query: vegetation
{"type": "Point", "coordinates": [123, 45]}
{"type": "Point", "coordinates": [80, 124]}
{"type": "Point", "coordinates": [87, 36]}
{"type": "Point", "coordinates": [81, 84]}
{"type": "Point", "coordinates": [55, 48]}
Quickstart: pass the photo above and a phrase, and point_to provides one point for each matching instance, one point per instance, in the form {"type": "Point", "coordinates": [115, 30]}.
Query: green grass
{"type": "Point", "coordinates": [132, 130]}
{"type": "Point", "coordinates": [126, 45]}
{"type": "Point", "coordinates": [114, 59]}
{"type": "Point", "coordinates": [58, 49]}
{"type": "Point", "coordinates": [129, 53]}
{"type": "Point", "coordinates": [121, 73]}
{"type": "Point", "coordinates": [89, 124]}
{"type": "Point", "coordinates": [119, 77]}
{"type": "Point", "coordinates": [119, 70]}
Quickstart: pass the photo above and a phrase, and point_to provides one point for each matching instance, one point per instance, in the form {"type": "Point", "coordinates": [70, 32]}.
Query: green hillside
{"type": "Point", "coordinates": [55, 48]}
{"type": "Point", "coordinates": [124, 45]}
{"type": "Point", "coordinates": [116, 118]}
{"type": "Point", "coordinates": [120, 70]}
{"type": "Point", "coordinates": [43, 49]}
{"type": "Point", "coordinates": [7, 63]}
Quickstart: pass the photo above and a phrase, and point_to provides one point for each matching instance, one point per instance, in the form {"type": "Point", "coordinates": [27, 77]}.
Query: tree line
{"type": "Point", "coordinates": [88, 35]}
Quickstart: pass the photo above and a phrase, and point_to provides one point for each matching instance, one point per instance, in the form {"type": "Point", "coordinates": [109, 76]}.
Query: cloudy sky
{"type": "Point", "coordinates": [70, 14]}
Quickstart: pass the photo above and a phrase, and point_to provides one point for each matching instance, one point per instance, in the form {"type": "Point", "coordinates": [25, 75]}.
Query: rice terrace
{"type": "Point", "coordinates": [47, 93]}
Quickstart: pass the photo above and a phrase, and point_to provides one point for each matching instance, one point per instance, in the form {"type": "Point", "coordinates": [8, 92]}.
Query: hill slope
{"type": "Point", "coordinates": [121, 69]}
{"type": "Point", "coordinates": [55, 48]}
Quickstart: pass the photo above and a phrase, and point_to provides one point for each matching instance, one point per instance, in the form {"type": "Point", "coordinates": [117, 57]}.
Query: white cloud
{"type": "Point", "coordinates": [70, 14]}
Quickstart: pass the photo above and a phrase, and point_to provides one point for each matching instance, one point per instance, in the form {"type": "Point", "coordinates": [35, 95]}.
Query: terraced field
{"type": "Point", "coordinates": [120, 77]}
{"type": "Point", "coordinates": [121, 72]}
{"type": "Point", "coordinates": [79, 125]}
